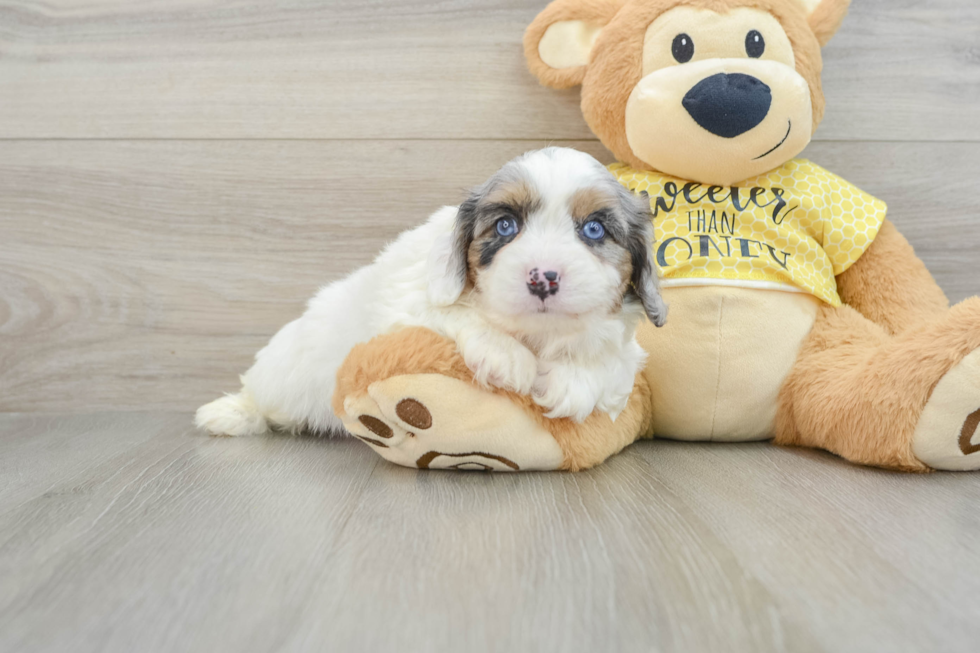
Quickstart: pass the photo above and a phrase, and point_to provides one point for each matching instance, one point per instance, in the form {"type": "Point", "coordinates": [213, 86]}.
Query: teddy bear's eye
{"type": "Point", "coordinates": [755, 45]}
{"type": "Point", "coordinates": [683, 48]}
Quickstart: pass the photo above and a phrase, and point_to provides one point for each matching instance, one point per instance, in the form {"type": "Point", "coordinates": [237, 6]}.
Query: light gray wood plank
{"type": "Point", "coordinates": [144, 275]}
{"type": "Point", "coordinates": [38, 453]}
{"type": "Point", "coordinates": [874, 538]}
{"type": "Point", "coordinates": [185, 543]}
{"type": "Point", "coordinates": [180, 534]}
{"type": "Point", "coordinates": [900, 70]}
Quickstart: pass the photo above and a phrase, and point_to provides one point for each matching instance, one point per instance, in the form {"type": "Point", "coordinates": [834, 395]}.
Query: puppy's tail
{"type": "Point", "coordinates": [233, 415]}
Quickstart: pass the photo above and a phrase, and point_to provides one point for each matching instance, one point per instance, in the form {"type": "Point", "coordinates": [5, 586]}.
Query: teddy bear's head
{"type": "Point", "coordinates": [714, 91]}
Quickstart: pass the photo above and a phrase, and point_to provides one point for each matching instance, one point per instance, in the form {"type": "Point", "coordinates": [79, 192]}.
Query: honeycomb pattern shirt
{"type": "Point", "coordinates": [795, 228]}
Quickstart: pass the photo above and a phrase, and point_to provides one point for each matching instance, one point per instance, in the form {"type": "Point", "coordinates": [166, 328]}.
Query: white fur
{"type": "Point", "coordinates": [578, 354]}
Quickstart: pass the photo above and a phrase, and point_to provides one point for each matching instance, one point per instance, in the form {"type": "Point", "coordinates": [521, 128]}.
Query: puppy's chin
{"type": "Point", "coordinates": [531, 315]}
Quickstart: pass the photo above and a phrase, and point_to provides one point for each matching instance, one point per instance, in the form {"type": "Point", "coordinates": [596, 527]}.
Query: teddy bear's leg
{"type": "Point", "coordinates": [905, 402]}
{"type": "Point", "coordinates": [410, 396]}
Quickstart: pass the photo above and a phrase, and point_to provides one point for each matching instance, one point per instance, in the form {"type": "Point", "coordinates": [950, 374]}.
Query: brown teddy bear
{"type": "Point", "coordinates": [798, 312]}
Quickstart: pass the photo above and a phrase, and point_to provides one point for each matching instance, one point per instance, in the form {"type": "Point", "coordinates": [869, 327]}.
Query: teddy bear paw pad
{"type": "Point", "coordinates": [430, 421]}
{"type": "Point", "coordinates": [948, 434]}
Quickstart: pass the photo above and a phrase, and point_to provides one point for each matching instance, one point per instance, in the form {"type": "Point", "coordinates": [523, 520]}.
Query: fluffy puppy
{"type": "Point", "coordinates": [540, 278]}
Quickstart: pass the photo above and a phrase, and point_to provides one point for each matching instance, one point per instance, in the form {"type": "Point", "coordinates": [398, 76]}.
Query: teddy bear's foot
{"type": "Point", "coordinates": [432, 421]}
{"type": "Point", "coordinates": [947, 436]}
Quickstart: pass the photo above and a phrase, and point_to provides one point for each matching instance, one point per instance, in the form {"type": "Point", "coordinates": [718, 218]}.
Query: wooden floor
{"type": "Point", "coordinates": [130, 532]}
{"type": "Point", "coordinates": [178, 176]}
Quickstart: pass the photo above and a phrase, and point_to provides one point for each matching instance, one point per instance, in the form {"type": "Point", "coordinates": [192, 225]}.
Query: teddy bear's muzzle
{"type": "Point", "coordinates": [728, 105]}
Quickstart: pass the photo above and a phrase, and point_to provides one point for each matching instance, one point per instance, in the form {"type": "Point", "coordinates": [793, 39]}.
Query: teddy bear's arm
{"type": "Point", "coordinates": [891, 286]}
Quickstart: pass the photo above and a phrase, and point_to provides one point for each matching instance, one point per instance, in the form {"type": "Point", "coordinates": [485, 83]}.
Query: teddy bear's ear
{"type": "Point", "coordinates": [825, 17]}
{"type": "Point", "coordinates": [558, 44]}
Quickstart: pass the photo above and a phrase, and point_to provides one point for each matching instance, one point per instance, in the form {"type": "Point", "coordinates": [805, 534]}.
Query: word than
{"type": "Point", "coordinates": [700, 221]}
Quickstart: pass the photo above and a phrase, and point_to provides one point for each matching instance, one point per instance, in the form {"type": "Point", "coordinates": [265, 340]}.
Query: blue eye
{"type": "Point", "coordinates": [507, 227]}
{"type": "Point", "coordinates": [593, 230]}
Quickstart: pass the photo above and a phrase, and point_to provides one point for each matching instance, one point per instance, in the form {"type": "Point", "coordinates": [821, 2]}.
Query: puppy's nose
{"type": "Point", "coordinates": [543, 284]}
{"type": "Point", "coordinates": [729, 105]}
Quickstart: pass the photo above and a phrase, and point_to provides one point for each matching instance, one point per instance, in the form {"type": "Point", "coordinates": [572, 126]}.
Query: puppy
{"type": "Point", "coordinates": [540, 278]}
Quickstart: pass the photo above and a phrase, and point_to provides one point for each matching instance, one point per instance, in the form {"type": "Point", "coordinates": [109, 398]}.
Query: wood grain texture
{"type": "Point", "coordinates": [899, 70]}
{"type": "Point", "coordinates": [172, 541]}
{"type": "Point", "coordinates": [145, 275]}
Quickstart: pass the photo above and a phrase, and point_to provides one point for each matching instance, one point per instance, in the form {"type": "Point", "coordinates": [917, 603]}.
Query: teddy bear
{"type": "Point", "coordinates": [798, 312]}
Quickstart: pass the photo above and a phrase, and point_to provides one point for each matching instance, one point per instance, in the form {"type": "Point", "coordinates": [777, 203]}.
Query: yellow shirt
{"type": "Point", "coordinates": [796, 228]}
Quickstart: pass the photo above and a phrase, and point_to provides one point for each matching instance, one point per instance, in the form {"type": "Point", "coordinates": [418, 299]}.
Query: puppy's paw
{"type": "Point", "coordinates": [566, 391]}
{"type": "Point", "coordinates": [501, 361]}
{"type": "Point", "coordinates": [617, 393]}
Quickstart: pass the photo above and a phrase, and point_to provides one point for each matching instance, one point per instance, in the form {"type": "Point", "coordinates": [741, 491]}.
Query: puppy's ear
{"type": "Point", "coordinates": [448, 258]}
{"type": "Point", "coordinates": [558, 43]}
{"type": "Point", "coordinates": [644, 282]}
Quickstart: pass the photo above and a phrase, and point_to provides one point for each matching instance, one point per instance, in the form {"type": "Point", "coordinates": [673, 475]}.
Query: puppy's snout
{"type": "Point", "coordinates": [543, 284]}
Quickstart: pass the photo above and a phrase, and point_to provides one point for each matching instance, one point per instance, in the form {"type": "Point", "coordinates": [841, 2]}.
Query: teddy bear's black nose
{"type": "Point", "coordinates": [729, 105]}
